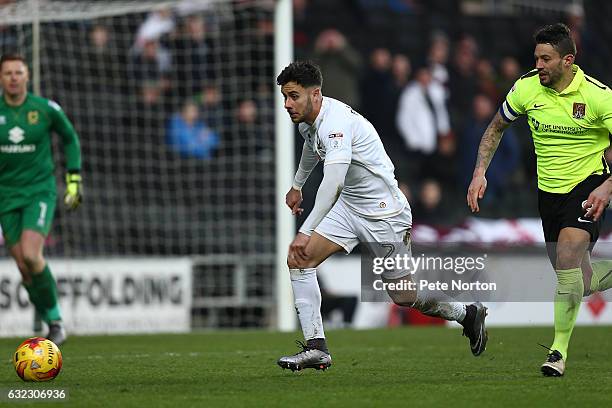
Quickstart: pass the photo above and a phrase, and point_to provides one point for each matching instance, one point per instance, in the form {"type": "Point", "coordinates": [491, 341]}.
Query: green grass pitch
{"type": "Point", "coordinates": [404, 367]}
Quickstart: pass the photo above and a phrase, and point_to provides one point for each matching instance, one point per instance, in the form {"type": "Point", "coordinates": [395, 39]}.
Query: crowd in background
{"type": "Point", "coordinates": [431, 115]}
{"type": "Point", "coordinates": [176, 110]}
{"type": "Point", "coordinates": [432, 106]}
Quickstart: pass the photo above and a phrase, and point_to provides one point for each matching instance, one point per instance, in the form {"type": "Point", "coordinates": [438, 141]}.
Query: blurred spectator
{"type": "Point", "coordinates": [442, 164]}
{"type": "Point", "coordinates": [394, 143]}
{"type": "Point", "coordinates": [299, 9]}
{"type": "Point", "coordinates": [189, 136]}
{"type": "Point", "coordinates": [378, 93]}
{"type": "Point", "coordinates": [422, 116]}
{"type": "Point", "coordinates": [156, 25]}
{"type": "Point", "coordinates": [509, 72]}
{"type": "Point", "coordinates": [8, 39]}
{"type": "Point", "coordinates": [437, 58]}
{"type": "Point", "coordinates": [593, 53]}
{"type": "Point", "coordinates": [463, 82]}
{"type": "Point", "coordinates": [253, 25]}
{"type": "Point", "coordinates": [149, 69]}
{"type": "Point", "coordinates": [340, 65]}
{"type": "Point", "coordinates": [247, 113]}
{"type": "Point", "coordinates": [301, 29]}
{"type": "Point", "coordinates": [193, 56]}
{"type": "Point", "coordinates": [263, 51]}
{"type": "Point", "coordinates": [210, 106]}
{"type": "Point", "coordinates": [506, 159]}
{"type": "Point", "coordinates": [100, 63]}
{"type": "Point", "coordinates": [244, 133]}
{"type": "Point", "coordinates": [401, 68]}
{"type": "Point", "coordinates": [104, 71]}
{"type": "Point", "coordinates": [428, 208]}
{"type": "Point", "coordinates": [487, 79]}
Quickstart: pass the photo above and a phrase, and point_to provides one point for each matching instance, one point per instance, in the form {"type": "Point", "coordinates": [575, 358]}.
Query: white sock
{"type": "Point", "coordinates": [438, 304]}
{"type": "Point", "coordinates": [308, 302]}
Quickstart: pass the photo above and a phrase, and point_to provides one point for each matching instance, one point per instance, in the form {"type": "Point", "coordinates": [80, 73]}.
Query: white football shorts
{"type": "Point", "coordinates": [389, 235]}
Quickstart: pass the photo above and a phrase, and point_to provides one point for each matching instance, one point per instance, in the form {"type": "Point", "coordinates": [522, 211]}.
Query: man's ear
{"type": "Point", "coordinates": [316, 92]}
{"type": "Point", "coordinates": [568, 60]}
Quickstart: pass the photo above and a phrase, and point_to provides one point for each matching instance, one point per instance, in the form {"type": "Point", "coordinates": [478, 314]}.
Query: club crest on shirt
{"type": "Point", "coordinates": [336, 140]}
{"type": "Point", "coordinates": [336, 144]}
{"type": "Point", "coordinates": [579, 110]}
{"type": "Point", "coordinates": [2, 120]}
{"type": "Point", "coordinates": [33, 117]}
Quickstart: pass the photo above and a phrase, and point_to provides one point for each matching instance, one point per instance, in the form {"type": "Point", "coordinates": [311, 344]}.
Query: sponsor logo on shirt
{"type": "Point", "coordinates": [18, 148]}
{"type": "Point", "coordinates": [579, 110]}
{"type": "Point", "coordinates": [16, 134]}
{"type": "Point", "coordinates": [335, 135]}
{"type": "Point", "coordinates": [558, 129]}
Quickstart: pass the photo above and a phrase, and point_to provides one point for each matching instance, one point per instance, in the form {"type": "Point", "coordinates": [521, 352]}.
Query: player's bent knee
{"type": "Point", "coordinates": [32, 261]}
{"type": "Point", "coordinates": [567, 259]}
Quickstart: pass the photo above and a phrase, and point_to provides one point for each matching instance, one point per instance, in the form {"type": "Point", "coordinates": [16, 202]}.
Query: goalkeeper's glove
{"type": "Point", "coordinates": [73, 197]}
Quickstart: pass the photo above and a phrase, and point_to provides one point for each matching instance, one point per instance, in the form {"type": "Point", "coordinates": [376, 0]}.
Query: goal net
{"type": "Point", "coordinates": [173, 103]}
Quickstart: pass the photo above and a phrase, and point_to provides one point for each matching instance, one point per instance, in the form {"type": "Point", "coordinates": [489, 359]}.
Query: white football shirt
{"type": "Point", "coordinates": [341, 135]}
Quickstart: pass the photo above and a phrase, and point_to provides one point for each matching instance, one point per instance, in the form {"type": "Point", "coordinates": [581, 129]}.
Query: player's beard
{"type": "Point", "coordinates": [308, 109]}
{"type": "Point", "coordinates": [554, 76]}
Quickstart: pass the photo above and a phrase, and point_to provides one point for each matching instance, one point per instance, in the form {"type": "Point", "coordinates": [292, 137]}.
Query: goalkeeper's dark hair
{"type": "Point", "coordinates": [559, 36]}
{"type": "Point", "coordinates": [304, 73]}
{"type": "Point", "coordinates": [12, 56]}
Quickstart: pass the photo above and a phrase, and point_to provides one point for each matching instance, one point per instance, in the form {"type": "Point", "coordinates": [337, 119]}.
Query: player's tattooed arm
{"type": "Point", "coordinates": [488, 145]}
{"type": "Point", "coordinates": [489, 142]}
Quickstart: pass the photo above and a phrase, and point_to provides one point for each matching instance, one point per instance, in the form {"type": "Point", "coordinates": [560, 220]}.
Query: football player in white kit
{"type": "Point", "coordinates": [358, 200]}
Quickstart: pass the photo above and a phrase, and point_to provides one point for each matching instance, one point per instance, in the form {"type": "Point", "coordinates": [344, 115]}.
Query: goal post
{"type": "Point", "coordinates": [285, 164]}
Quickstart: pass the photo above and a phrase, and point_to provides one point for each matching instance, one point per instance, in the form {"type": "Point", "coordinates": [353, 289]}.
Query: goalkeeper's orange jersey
{"type": "Point", "coordinates": [26, 161]}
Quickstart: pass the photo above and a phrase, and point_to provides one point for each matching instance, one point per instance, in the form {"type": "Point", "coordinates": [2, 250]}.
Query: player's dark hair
{"type": "Point", "coordinates": [304, 73]}
{"type": "Point", "coordinates": [558, 35]}
{"type": "Point", "coordinates": [11, 57]}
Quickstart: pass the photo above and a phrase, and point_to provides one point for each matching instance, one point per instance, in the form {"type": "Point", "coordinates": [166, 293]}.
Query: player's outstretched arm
{"type": "Point", "coordinates": [488, 145]}
{"type": "Point", "coordinates": [73, 195]}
